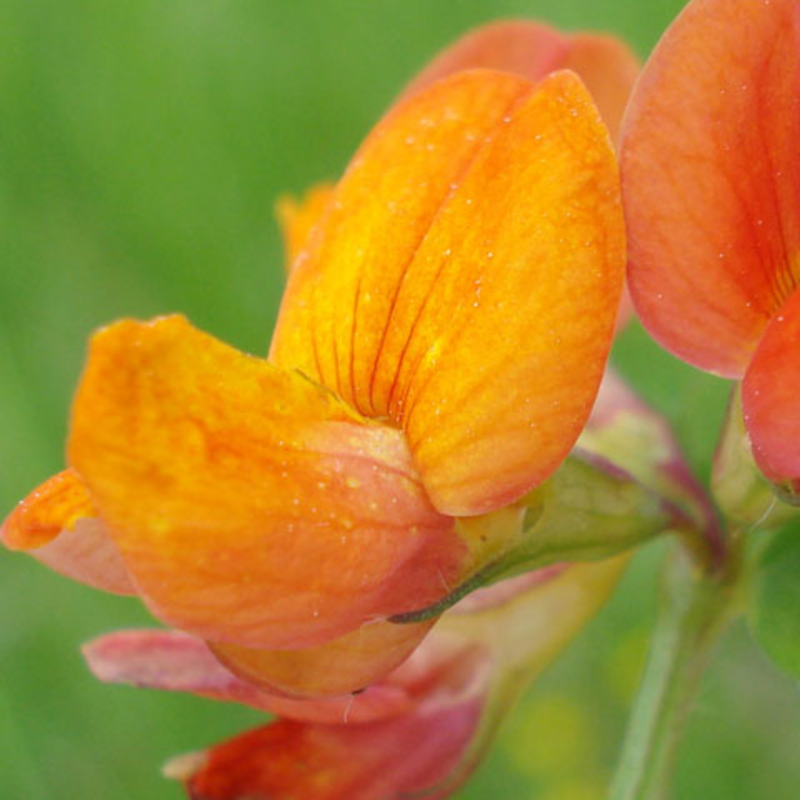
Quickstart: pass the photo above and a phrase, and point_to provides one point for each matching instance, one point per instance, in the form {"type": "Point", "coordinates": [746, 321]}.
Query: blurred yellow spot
{"type": "Point", "coordinates": [575, 790]}
{"type": "Point", "coordinates": [552, 737]}
{"type": "Point", "coordinates": [623, 669]}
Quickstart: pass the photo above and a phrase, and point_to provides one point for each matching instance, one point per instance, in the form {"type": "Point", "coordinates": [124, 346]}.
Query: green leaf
{"type": "Point", "coordinates": [775, 605]}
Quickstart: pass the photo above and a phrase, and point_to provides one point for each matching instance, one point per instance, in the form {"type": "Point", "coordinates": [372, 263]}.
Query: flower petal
{"type": "Point", "coordinates": [345, 665]}
{"type": "Point", "coordinates": [711, 179]}
{"type": "Point", "coordinates": [294, 761]}
{"type": "Point", "coordinates": [250, 505]}
{"type": "Point", "coordinates": [466, 280]}
{"type": "Point", "coordinates": [50, 508]}
{"type": "Point", "coordinates": [771, 396]}
{"type": "Point", "coordinates": [87, 554]}
{"type": "Point", "coordinates": [176, 662]}
{"type": "Point", "coordinates": [297, 218]}
{"type": "Point", "coordinates": [57, 524]}
{"type": "Point", "coordinates": [532, 50]}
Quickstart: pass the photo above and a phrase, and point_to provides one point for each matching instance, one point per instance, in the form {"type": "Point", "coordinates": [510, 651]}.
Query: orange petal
{"type": "Point", "coordinates": [57, 524]}
{"type": "Point", "coordinates": [54, 506]}
{"type": "Point", "coordinates": [711, 179]}
{"type": "Point", "coordinates": [347, 664]}
{"type": "Point", "coordinates": [466, 280]}
{"type": "Point", "coordinates": [606, 65]}
{"type": "Point", "coordinates": [417, 752]}
{"type": "Point", "coordinates": [297, 218]}
{"type": "Point", "coordinates": [397, 758]}
{"type": "Point", "coordinates": [250, 505]}
{"type": "Point", "coordinates": [531, 50]}
{"type": "Point", "coordinates": [175, 662]}
{"type": "Point", "coordinates": [771, 396]}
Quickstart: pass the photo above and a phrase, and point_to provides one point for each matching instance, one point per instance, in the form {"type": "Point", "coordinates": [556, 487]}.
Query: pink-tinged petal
{"type": "Point", "coordinates": [609, 68]}
{"type": "Point", "coordinates": [771, 396]}
{"type": "Point", "coordinates": [631, 435]}
{"type": "Point", "coordinates": [57, 524]}
{"type": "Point", "coordinates": [466, 279]}
{"type": "Point", "coordinates": [532, 50]}
{"type": "Point", "coordinates": [423, 750]}
{"type": "Point", "coordinates": [176, 662]}
{"type": "Point", "coordinates": [87, 554]}
{"type": "Point", "coordinates": [711, 179]}
{"type": "Point", "coordinates": [251, 506]}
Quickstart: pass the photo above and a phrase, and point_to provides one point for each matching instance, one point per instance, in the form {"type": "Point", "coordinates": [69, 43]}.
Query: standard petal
{"type": "Point", "coordinates": [345, 665]}
{"type": "Point", "coordinates": [298, 217]}
{"type": "Point", "coordinates": [532, 50]}
{"type": "Point", "coordinates": [771, 396]}
{"type": "Point", "coordinates": [250, 505]}
{"type": "Point", "coordinates": [176, 662]}
{"type": "Point", "coordinates": [466, 279]}
{"type": "Point", "coordinates": [711, 179]}
{"type": "Point", "coordinates": [57, 524]}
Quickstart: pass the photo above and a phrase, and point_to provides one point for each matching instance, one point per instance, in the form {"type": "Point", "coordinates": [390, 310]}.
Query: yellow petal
{"type": "Point", "coordinates": [465, 281]}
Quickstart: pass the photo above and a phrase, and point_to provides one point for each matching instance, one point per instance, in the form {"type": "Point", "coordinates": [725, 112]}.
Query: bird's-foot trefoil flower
{"type": "Point", "coordinates": [711, 183]}
{"type": "Point", "coordinates": [438, 350]}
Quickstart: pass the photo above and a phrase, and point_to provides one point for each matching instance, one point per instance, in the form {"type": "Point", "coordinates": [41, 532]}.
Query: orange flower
{"type": "Point", "coordinates": [438, 350]}
{"type": "Point", "coordinates": [711, 180]}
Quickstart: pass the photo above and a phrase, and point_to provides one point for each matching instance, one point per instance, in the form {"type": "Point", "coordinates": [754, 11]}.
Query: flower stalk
{"type": "Point", "coordinates": [696, 607]}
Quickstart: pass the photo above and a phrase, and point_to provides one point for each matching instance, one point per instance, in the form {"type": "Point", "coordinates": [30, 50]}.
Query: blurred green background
{"type": "Point", "coordinates": [142, 147]}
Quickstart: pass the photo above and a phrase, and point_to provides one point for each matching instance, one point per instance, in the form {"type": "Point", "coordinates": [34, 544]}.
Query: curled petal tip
{"type": "Point", "coordinates": [59, 526]}
{"type": "Point", "coordinates": [55, 505]}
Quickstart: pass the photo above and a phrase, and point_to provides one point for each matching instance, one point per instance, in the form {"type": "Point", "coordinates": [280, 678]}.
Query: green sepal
{"type": "Point", "coordinates": [745, 497]}
{"type": "Point", "coordinates": [589, 510]}
{"type": "Point", "coordinates": [774, 603]}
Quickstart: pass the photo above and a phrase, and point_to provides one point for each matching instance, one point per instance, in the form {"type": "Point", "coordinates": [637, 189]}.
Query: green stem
{"type": "Point", "coordinates": [696, 606]}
